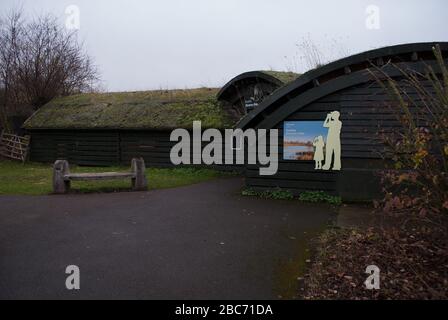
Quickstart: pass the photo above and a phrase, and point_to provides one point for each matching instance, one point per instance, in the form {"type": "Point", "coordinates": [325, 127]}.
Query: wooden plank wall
{"type": "Point", "coordinates": [106, 148]}
{"type": "Point", "coordinates": [366, 114]}
{"type": "Point", "coordinates": [79, 147]}
{"type": "Point", "coordinates": [153, 146]}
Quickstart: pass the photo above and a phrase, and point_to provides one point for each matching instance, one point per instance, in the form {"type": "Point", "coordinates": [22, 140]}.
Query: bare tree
{"type": "Point", "coordinates": [40, 60]}
{"type": "Point", "coordinates": [10, 28]}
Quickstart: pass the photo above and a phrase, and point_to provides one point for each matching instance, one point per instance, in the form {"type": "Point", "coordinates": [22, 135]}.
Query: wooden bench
{"type": "Point", "coordinates": [62, 176]}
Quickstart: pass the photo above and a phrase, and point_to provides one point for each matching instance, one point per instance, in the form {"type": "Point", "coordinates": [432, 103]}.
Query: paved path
{"type": "Point", "coordinates": [204, 241]}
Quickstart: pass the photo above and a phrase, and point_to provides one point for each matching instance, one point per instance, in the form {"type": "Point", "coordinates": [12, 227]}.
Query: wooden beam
{"type": "Point", "coordinates": [98, 176]}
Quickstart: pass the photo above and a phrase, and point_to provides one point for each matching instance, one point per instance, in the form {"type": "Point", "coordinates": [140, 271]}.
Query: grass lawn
{"type": "Point", "coordinates": [36, 178]}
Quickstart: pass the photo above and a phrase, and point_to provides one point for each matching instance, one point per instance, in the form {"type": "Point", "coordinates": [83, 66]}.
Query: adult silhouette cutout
{"type": "Point", "coordinates": [333, 146]}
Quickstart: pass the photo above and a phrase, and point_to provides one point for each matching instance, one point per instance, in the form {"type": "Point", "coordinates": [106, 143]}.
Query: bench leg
{"type": "Point", "coordinates": [60, 169]}
{"type": "Point", "coordinates": [139, 183]}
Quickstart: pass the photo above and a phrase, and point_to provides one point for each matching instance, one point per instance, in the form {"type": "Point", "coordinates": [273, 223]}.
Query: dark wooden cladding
{"type": "Point", "coordinates": [154, 147]}
{"type": "Point", "coordinates": [339, 75]}
{"type": "Point", "coordinates": [88, 148]}
{"type": "Point", "coordinates": [105, 148]}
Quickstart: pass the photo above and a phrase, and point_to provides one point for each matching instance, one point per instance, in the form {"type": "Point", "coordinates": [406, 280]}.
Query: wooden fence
{"type": "Point", "coordinates": [13, 146]}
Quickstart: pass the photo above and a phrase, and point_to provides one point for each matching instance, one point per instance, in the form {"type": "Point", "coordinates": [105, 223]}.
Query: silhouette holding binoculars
{"type": "Point", "coordinates": [332, 146]}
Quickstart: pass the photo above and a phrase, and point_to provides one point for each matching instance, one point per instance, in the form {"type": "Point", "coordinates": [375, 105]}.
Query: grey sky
{"type": "Point", "coordinates": [183, 44]}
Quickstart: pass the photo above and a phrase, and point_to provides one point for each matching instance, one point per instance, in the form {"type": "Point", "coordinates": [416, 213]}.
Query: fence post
{"type": "Point", "coordinates": [1, 140]}
{"type": "Point", "coordinates": [27, 139]}
{"type": "Point", "coordinates": [139, 182]}
{"type": "Point", "coordinates": [60, 169]}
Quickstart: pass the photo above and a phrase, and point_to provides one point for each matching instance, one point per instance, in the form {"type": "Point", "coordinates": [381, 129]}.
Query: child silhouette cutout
{"type": "Point", "coordinates": [318, 145]}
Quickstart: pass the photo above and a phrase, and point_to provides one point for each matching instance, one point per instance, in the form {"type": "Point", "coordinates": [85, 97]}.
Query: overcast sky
{"type": "Point", "coordinates": [151, 44]}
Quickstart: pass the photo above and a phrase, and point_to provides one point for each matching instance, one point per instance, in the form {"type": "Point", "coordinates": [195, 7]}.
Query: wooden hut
{"type": "Point", "coordinates": [104, 129]}
{"type": "Point", "coordinates": [247, 90]}
{"type": "Point", "coordinates": [345, 86]}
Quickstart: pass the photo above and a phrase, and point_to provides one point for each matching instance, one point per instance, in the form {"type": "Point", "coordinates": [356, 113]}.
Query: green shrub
{"type": "Point", "coordinates": [281, 194]}
{"type": "Point", "coordinates": [319, 196]}
{"type": "Point", "coordinates": [277, 194]}
{"type": "Point", "coordinates": [250, 192]}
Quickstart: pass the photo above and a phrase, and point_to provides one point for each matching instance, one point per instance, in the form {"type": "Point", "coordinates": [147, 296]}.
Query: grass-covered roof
{"type": "Point", "coordinates": [158, 109]}
{"type": "Point", "coordinates": [283, 76]}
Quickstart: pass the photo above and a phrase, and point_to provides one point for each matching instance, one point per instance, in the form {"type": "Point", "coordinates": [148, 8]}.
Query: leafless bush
{"type": "Point", "coordinates": [419, 180]}
{"type": "Point", "coordinates": [310, 55]}
{"type": "Point", "coordinates": [40, 60]}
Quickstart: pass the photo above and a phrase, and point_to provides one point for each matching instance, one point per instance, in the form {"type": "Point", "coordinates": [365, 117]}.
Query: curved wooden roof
{"type": "Point", "coordinates": [277, 78]}
{"type": "Point", "coordinates": [333, 77]}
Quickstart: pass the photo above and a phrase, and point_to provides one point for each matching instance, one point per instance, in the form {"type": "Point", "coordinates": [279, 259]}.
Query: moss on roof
{"type": "Point", "coordinates": [158, 109]}
{"type": "Point", "coordinates": [283, 76]}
